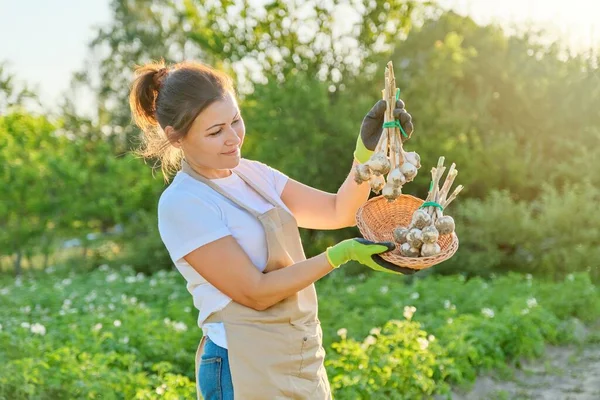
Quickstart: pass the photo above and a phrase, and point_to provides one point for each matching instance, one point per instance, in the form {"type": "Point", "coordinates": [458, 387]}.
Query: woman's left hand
{"type": "Point", "coordinates": [372, 127]}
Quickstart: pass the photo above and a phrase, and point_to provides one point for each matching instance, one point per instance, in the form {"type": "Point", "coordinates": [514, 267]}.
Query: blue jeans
{"type": "Point", "coordinates": [214, 376]}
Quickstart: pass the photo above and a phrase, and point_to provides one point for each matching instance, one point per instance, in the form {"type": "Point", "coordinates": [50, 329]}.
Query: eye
{"type": "Point", "coordinates": [237, 120]}
{"type": "Point", "coordinates": [215, 133]}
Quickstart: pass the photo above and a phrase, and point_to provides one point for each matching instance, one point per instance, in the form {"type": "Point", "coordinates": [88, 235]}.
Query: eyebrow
{"type": "Point", "coordinates": [236, 114]}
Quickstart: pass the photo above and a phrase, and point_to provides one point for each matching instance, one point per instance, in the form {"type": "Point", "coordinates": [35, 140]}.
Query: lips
{"type": "Point", "coordinates": [231, 152]}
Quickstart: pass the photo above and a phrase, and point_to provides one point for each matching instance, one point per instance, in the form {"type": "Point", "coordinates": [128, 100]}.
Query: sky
{"type": "Point", "coordinates": [45, 41]}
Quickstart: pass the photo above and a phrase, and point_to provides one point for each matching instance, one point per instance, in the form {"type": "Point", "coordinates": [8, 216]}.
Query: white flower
{"type": "Point", "coordinates": [152, 282]}
{"type": "Point", "coordinates": [431, 338]}
{"type": "Point", "coordinates": [447, 304]}
{"type": "Point", "coordinates": [161, 389]}
{"type": "Point", "coordinates": [342, 332]}
{"type": "Point", "coordinates": [384, 289]}
{"type": "Point", "coordinates": [104, 267]}
{"type": "Point", "coordinates": [26, 309]}
{"type": "Point", "coordinates": [369, 340]}
{"type": "Point", "coordinates": [525, 311]}
{"type": "Point", "coordinates": [61, 312]}
{"type": "Point", "coordinates": [532, 302]}
{"type": "Point", "coordinates": [375, 331]}
{"type": "Point", "coordinates": [187, 309]}
{"type": "Point", "coordinates": [19, 281]}
{"type": "Point", "coordinates": [488, 312]}
{"type": "Point", "coordinates": [111, 306]}
{"type": "Point", "coordinates": [528, 277]}
{"type": "Point", "coordinates": [112, 277]}
{"type": "Point", "coordinates": [408, 312]}
{"type": "Point", "coordinates": [117, 323]}
{"type": "Point", "coordinates": [423, 343]}
{"type": "Point", "coordinates": [570, 277]}
{"type": "Point", "coordinates": [25, 325]}
{"type": "Point", "coordinates": [140, 276]}
{"type": "Point", "coordinates": [125, 340]}
{"type": "Point", "coordinates": [66, 282]}
{"type": "Point", "coordinates": [97, 327]}
{"type": "Point", "coordinates": [351, 289]}
{"type": "Point", "coordinates": [362, 277]}
{"type": "Point", "coordinates": [130, 279]}
{"type": "Point", "coordinates": [38, 329]}
{"type": "Point", "coordinates": [415, 296]}
{"type": "Point", "coordinates": [91, 297]}
{"type": "Point", "coordinates": [4, 291]}
{"type": "Point", "coordinates": [449, 321]}
{"type": "Point", "coordinates": [180, 326]}
{"type": "Point", "coordinates": [50, 270]}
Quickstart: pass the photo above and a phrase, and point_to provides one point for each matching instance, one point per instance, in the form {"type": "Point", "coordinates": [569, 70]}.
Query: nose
{"type": "Point", "coordinates": [232, 137]}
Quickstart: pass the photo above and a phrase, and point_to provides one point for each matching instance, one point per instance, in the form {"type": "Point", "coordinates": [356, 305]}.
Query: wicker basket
{"type": "Point", "coordinates": [377, 219]}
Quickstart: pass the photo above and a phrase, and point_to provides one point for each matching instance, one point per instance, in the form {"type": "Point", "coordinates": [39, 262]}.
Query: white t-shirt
{"type": "Point", "coordinates": [191, 214]}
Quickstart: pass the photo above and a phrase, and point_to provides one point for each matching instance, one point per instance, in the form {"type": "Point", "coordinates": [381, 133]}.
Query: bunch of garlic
{"type": "Point", "coordinates": [420, 238]}
{"type": "Point", "coordinates": [389, 157]}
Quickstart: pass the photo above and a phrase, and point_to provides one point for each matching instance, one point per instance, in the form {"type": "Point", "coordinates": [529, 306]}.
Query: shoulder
{"type": "Point", "coordinates": [185, 193]}
{"type": "Point", "coordinates": [261, 173]}
{"type": "Point", "coordinates": [247, 165]}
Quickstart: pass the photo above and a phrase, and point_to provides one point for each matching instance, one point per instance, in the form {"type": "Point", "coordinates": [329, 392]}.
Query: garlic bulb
{"type": "Point", "coordinates": [391, 192]}
{"type": "Point", "coordinates": [396, 177]}
{"type": "Point", "coordinates": [430, 234]}
{"type": "Point", "coordinates": [413, 158]}
{"type": "Point", "coordinates": [377, 183]}
{"type": "Point", "coordinates": [415, 238]}
{"type": "Point", "coordinates": [400, 234]}
{"type": "Point", "coordinates": [445, 225]}
{"type": "Point", "coordinates": [379, 164]}
{"type": "Point", "coordinates": [420, 219]}
{"type": "Point", "coordinates": [362, 173]}
{"type": "Point", "coordinates": [430, 249]}
{"type": "Point", "coordinates": [409, 171]}
{"type": "Point", "coordinates": [407, 251]}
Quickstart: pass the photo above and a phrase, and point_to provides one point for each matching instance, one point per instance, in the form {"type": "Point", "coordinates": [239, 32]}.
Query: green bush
{"type": "Point", "coordinates": [116, 333]}
{"type": "Point", "coordinates": [551, 237]}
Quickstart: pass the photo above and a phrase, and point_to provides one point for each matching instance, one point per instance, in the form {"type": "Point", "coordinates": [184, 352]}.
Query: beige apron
{"type": "Point", "coordinates": [276, 353]}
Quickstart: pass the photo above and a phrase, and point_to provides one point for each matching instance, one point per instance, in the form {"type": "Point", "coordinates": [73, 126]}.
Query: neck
{"type": "Point", "coordinates": [210, 173]}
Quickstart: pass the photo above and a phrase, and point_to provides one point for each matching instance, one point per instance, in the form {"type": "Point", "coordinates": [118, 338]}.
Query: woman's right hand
{"type": "Point", "coordinates": [366, 253]}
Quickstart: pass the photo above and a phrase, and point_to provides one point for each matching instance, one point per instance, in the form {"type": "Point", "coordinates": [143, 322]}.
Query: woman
{"type": "Point", "coordinates": [231, 227]}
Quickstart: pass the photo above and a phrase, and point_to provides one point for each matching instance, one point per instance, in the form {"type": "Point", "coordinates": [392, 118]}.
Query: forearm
{"type": "Point", "coordinates": [349, 198]}
{"type": "Point", "coordinates": [282, 283]}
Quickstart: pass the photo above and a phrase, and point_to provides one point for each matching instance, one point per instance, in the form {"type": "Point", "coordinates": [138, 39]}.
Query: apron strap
{"type": "Point", "coordinates": [185, 167]}
{"type": "Point", "coordinates": [257, 189]}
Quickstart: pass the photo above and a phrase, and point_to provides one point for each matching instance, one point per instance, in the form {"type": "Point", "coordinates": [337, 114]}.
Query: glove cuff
{"type": "Point", "coordinates": [338, 254]}
{"type": "Point", "coordinates": [361, 153]}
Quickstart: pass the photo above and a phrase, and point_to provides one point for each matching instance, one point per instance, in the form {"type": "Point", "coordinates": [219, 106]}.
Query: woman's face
{"type": "Point", "coordinates": [213, 143]}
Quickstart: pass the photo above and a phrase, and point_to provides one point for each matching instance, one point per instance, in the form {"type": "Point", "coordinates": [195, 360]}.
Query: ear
{"type": "Point", "coordinates": [170, 132]}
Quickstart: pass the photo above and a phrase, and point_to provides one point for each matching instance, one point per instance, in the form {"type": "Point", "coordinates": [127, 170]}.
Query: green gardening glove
{"type": "Point", "coordinates": [366, 253]}
{"type": "Point", "coordinates": [372, 127]}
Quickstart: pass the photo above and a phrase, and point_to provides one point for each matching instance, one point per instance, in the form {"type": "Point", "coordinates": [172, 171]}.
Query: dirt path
{"type": "Point", "coordinates": [565, 373]}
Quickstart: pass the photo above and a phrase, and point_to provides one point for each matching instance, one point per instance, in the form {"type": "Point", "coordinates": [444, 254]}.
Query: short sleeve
{"type": "Point", "coordinates": [280, 180]}
{"type": "Point", "coordinates": [186, 222]}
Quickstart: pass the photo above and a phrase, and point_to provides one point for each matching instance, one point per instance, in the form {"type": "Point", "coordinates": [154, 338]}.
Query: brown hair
{"type": "Point", "coordinates": [164, 96]}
